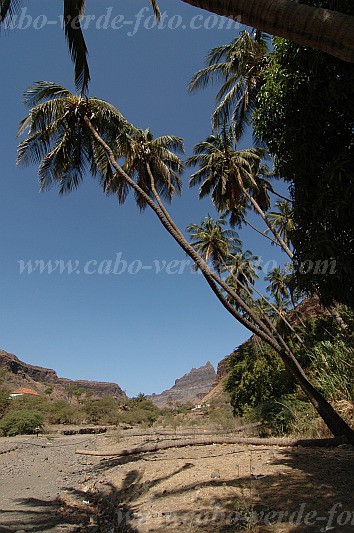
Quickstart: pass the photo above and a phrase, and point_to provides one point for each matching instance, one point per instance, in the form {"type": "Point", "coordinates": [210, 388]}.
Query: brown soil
{"type": "Point", "coordinates": [45, 486]}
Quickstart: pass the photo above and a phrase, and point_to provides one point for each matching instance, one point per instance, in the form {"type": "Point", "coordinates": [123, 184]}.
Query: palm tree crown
{"type": "Point", "coordinates": [243, 266]}
{"type": "Point", "coordinates": [283, 220]}
{"type": "Point", "coordinates": [152, 159]}
{"type": "Point", "coordinates": [278, 287]}
{"type": "Point", "coordinates": [213, 242]}
{"type": "Point", "coordinates": [59, 140]}
{"type": "Point", "coordinates": [226, 173]}
{"type": "Point", "coordinates": [238, 66]}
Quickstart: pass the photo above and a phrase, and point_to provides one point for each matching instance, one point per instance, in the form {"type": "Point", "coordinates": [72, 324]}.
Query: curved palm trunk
{"type": "Point", "coordinates": [339, 320]}
{"type": "Point", "coordinates": [207, 272]}
{"type": "Point", "coordinates": [323, 29]}
{"type": "Point", "coordinates": [281, 241]}
{"type": "Point", "coordinates": [261, 233]}
{"type": "Point", "coordinates": [170, 226]}
{"type": "Point", "coordinates": [271, 330]}
{"type": "Point", "coordinates": [335, 423]}
{"type": "Point", "coordinates": [280, 315]}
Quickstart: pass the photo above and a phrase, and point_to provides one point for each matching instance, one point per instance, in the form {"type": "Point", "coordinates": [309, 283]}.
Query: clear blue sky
{"type": "Point", "coordinates": [144, 330]}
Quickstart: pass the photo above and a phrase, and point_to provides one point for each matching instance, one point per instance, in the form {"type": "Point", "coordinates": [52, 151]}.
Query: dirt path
{"type": "Point", "coordinates": [213, 488]}
{"type": "Point", "coordinates": [34, 475]}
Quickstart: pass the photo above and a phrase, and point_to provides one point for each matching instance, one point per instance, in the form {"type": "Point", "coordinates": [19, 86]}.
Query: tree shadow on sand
{"type": "Point", "coordinates": [299, 482]}
{"type": "Point", "coordinates": [101, 508]}
{"type": "Point", "coordinates": [311, 492]}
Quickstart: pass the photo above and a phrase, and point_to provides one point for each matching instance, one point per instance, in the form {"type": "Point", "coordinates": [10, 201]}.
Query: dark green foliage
{"type": "Point", "coordinates": [60, 412]}
{"type": "Point", "coordinates": [4, 399]}
{"type": "Point", "coordinates": [305, 114]}
{"type": "Point", "coordinates": [280, 416]}
{"type": "Point", "coordinates": [21, 422]}
{"type": "Point", "coordinates": [256, 375]}
{"type": "Point", "coordinates": [261, 389]}
{"type": "Point", "coordinates": [104, 410]}
{"type": "Point", "coordinates": [330, 355]}
{"type": "Point", "coordinates": [140, 410]}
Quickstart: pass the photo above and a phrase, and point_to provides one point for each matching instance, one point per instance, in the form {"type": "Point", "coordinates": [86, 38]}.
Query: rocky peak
{"type": "Point", "coordinates": [189, 388]}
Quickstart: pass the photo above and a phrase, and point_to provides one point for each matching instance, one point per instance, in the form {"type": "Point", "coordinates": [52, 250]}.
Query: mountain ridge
{"type": "Point", "coordinates": [21, 374]}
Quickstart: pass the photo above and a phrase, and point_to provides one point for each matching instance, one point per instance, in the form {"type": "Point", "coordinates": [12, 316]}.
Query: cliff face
{"type": "Point", "coordinates": [20, 374]}
{"type": "Point", "coordinates": [10, 363]}
{"type": "Point", "coordinates": [189, 388]}
{"type": "Point", "coordinates": [97, 388]}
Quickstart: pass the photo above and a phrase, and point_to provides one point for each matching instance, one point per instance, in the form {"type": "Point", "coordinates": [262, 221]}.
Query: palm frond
{"type": "Point", "coordinates": [41, 91]}
{"type": "Point", "coordinates": [156, 9]}
{"type": "Point", "coordinates": [208, 75]}
{"type": "Point", "coordinates": [73, 9]}
{"type": "Point", "coordinates": [170, 142]}
{"type": "Point", "coordinates": [8, 8]}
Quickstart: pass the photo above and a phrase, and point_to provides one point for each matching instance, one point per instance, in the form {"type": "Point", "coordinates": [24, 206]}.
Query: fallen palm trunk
{"type": "Point", "coordinates": [202, 441]}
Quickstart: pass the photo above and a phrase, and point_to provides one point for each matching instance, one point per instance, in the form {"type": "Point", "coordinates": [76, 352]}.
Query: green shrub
{"type": "Point", "coordinates": [137, 415]}
{"type": "Point", "coordinates": [333, 369]}
{"type": "Point", "coordinates": [60, 412]}
{"type": "Point", "coordinates": [27, 402]}
{"type": "Point", "coordinates": [140, 410]}
{"type": "Point", "coordinates": [21, 422]}
{"type": "Point", "coordinates": [106, 410]}
{"type": "Point", "coordinates": [288, 414]}
{"type": "Point", "coordinates": [4, 399]}
{"type": "Point", "coordinates": [257, 375]}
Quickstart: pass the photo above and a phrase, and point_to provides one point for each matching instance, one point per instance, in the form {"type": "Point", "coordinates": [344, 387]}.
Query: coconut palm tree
{"type": "Point", "coordinates": [315, 27]}
{"type": "Point", "coordinates": [283, 220]}
{"type": "Point", "coordinates": [214, 242]}
{"type": "Point", "coordinates": [242, 273]}
{"type": "Point", "coordinates": [223, 172]}
{"type": "Point", "coordinates": [238, 66]}
{"type": "Point", "coordinates": [278, 288]}
{"type": "Point", "coordinates": [153, 161]}
{"type": "Point", "coordinates": [73, 10]}
{"type": "Point", "coordinates": [233, 178]}
{"type": "Point", "coordinates": [243, 266]}
{"type": "Point", "coordinates": [60, 141]}
{"type": "Point", "coordinates": [69, 135]}
{"type": "Point", "coordinates": [222, 248]}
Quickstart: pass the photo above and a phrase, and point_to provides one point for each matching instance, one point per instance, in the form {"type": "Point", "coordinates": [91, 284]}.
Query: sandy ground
{"type": "Point", "coordinates": [45, 486]}
{"type": "Point", "coordinates": [35, 473]}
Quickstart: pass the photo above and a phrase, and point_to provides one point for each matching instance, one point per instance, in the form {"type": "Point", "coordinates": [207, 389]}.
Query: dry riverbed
{"type": "Point", "coordinates": [45, 486]}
